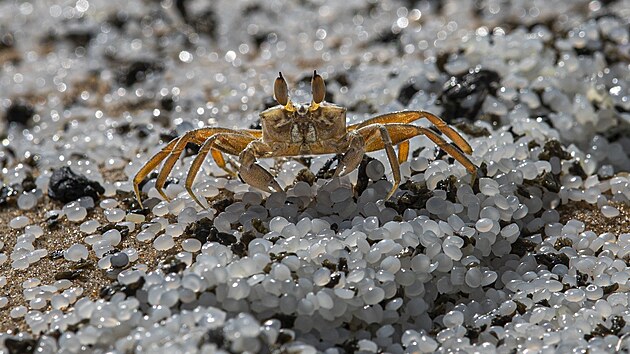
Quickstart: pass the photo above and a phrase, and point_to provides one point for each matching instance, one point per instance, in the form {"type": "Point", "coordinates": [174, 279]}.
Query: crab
{"type": "Point", "coordinates": [315, 128]}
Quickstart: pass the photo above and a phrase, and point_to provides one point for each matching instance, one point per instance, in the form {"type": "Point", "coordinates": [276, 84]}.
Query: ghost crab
{"type": "Point", "coordinates": [290, 129]}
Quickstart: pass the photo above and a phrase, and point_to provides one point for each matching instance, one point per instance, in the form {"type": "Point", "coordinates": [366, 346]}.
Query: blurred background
{"type": "Point", "coordinates": [107, 79]}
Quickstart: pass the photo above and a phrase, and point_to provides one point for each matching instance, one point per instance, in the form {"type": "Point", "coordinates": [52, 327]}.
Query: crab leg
{"type": "Point", "coordinates": [405, 117]}
{"type": "Point", "coordinates": [230, 143]}
{"type": "Point", "coordinates": [401, 132]}
{"type": "Point", "coordinates": [378, 133]}
{"type": "Point", "coordinates": [396, 133]}
{"type": "Point", "coordinates": [403, 151]}
{"type": "Point", "coordinates": [393, 117]}
{"type": "Point", "coordinates": [195, 136]}
{"type": "Point", "coordinates": [219, 159]}
{"type": "Point", "coordinates": [399, 117]}
{"type": "Point", "coordinates": [251, 172]}
{"type": "Point", "coordinates": [353, 155]}
{"type": "Point", "coordinates": [150, 165]}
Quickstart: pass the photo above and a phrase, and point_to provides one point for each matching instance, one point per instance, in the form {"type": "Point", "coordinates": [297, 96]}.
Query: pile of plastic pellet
{"type": "Point", "coordinates": [91, 89]}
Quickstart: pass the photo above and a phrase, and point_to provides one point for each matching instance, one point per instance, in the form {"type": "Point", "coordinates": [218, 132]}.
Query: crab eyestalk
{"type": "Point", "coordinates": [281, 92]}
{"type": "Point", "coordinates": [318, 87]}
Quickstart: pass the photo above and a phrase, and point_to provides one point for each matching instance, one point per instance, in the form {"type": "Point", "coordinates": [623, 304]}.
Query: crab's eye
{"type": "Point", "coordinates": [318, 87]}
{"type": "Point", "coordinates": [281, 90]}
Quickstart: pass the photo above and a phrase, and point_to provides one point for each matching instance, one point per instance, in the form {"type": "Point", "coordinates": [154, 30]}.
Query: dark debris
{"type": "Point", "coordinates": [8, 195]}
{"type": "Point", "coordinates": [362, 178]}
{"type": "Point", "coordinates": [20, 345]}
{"type": "Point", "coordinates": [617, 324]}
{"type": "Point", "coordinates": [471, 130]}
{"type": "Point", "coordinates": [476, 86]}
{"type": "Point", "coordinates": [415, 198]}
{"type": "Point", "coordinates": [305, 175]}
{"type": "Point", "coordinates": [136, 71]}
{"type": "Point", "coordinates": [522, 246]}
{"type": "Point", "coordinates": [552, 259]}
{"type": "Point", "coordinates": [66, 186]}
{"type": "Point", "coordinates": [108, 291]}
{"type": "Point", "coordinates": [172, 265]}
{"type": "Point", "coordinates": [327, 172]}
{"type": "Point", "coordinates": [449, 184]}
{"type": "Point", "coordinates": [204, 231]}
{"type": "Point", "coordinates": [20, 112]}
{"type": "Point", "coordinates": [406, 93]}
{"type": "Point", "coordinates": [553, 148]}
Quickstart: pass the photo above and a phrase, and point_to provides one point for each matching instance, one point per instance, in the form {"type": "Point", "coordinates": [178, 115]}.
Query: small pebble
{"type": "Point", "coordinates": [119, 260]}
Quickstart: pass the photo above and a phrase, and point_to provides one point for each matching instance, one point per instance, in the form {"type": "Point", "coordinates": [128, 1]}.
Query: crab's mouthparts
{"type": "Point", "coordinates": [303, 133]}
{"type": "Point", "coordinates": [302, 110]}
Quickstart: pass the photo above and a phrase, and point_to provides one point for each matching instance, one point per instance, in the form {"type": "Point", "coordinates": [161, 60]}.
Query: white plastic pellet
{"type": "Point", "coordinates": [89, 226]}
{"type": "Point", "coordinates": [145, 235]}
{"type": "Point", "coordinates": [27, 201]}
{"type": "Point", "coordinates": [163, 242]}
{"type": "Point", "coordinates": [19, 222]}
{"type": "Point", "coordinates": [135, 218]}
{"type": "Point", "coordinates": [375, 170]}
{"type": "Point", "coordinates": [191, 245]}
{"type": "Point", "coordinates": [113, 237]}
{"type": "Point", "coordinates": [484, 225]}
{"type": "Point", "coordinates": [574, 295]}
{"type": "Point", "coordinates": [373, 295]}
{"type": "Point", "coordinates": [18, 312]}
{"type": "Point", "coordinates": [108, 203]}
{"type": "Point", "coordinates": [114, 215]}
{"type": "Point", "coordinates": [609, 211]}
{"type": "Point", "coordinates": [76, 252]}
{"type": "Point", "coordinates": [34, 230]}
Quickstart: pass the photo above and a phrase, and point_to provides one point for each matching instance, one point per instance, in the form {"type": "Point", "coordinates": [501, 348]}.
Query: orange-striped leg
{"type": "Point", "coordinates": [379, 133]}
{"type": "Point", "coordinates": [403, 132]}
{"type": "Point", "coordinates": [398, 117]}
{"type": "Point", "coordinates": [406, 117]}
{"type": "Point", "coordinates": [403, 151]}
{"type": "Point", "coordinates": [195, 136]}
{"type": "Point", "coordinates": [150, 166]}
{"type": "Point", "coordinates": [230, 143]}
